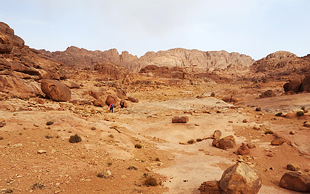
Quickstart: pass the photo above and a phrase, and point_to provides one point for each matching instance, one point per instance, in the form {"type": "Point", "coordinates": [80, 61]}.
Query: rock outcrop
{"type": "Point", "coordinates": [56, 90]}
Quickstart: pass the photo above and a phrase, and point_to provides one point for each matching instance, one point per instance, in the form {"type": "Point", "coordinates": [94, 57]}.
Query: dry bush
{"type": "Point", "coordinates": [75, 138]}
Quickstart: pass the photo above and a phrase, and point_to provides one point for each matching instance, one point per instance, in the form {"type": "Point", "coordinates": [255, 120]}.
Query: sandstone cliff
{"type": "Point", "coordinates": [190, 60]}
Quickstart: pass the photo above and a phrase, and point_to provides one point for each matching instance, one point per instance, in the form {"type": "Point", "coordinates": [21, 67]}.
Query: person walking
{"type": "Point", "coordinates": [111, 107]}
{"type": "Point", "coordinates": [122, 104]}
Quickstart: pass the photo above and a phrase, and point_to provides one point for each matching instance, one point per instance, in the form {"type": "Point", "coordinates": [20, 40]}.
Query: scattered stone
{"type": "Point", "coordinates": [243, 150]}
{"type": "Point", "coordinates": [292, 132]}
{"type": "Point", "coordinates": [292, 167]}
{"type": "Point", "coordinates": [277, 141]}
{"type": "Point", "coordinates": [217, 134]}
{"type": "Point", "coordinates": [307, 124]}
{"type": "Point", "coordinates": [41, 152]}
{"type": "Point", "coordinates": [215, 142]}
{"type": "Point", "coordinates": [240, 178]}
{"type": "Point", "coordinates": [245, 121]}
{"type": "Point", "coordinates": [227, 142]}
{"type": "Point", "coordinates": [2, 122]}
{"type": "Point", "coordinates": [132, 168]}
{"type": "Point", "coordinates": [295, 182]}
{"type": "Point", "coordinates": [180, 119]}
{"type": "Point", "coordinates": [258, 109]}
{"type": "Point", "coordinates": [209, 187]}
{"type": "Point", "coordinates": [49, 122]}
{"type": "Point", "coordinates": [251, 145]}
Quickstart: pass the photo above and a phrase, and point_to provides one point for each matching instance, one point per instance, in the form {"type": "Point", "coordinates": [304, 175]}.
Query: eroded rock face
{"type": "Point", "coordinates": [240, 178]}
{"type": "Point", "coordinates": [55, 90]}
{"type": "Point", "coordinates": [295, 181]}
{"type": "Point", "coordinates": [19, 87]}
{"type": "Point", "coordinates": [8, 40]}
{"type": "Point", "coordinates": [293, 85]}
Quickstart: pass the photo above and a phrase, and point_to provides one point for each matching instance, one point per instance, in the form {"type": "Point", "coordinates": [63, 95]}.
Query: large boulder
{"type": "Point", "coordinates": [295, 181]}
{"type": "Point", "coordinates": [112, 98]}
{"type": "Point", "coordinates": [55, 90]}
{"type": "Point", "coordinates": [240, 178]}
{"type": "Point", "coordinates": [305, 84]}
{"type": "Point", "coordinates": [293, 85]}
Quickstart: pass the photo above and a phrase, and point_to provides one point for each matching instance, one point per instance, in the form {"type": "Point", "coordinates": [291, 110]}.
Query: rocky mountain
{"type": "Point", "coordinates": [190, 60]}
{"type": "Point", "coordinates": [282, 64]}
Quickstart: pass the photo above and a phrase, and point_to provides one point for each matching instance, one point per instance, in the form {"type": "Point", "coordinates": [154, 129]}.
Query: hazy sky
{"type": "Point", "coordinates": [253, 27]}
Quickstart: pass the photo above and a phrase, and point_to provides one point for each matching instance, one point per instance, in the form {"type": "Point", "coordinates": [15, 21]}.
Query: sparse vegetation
{"type": "Point", "coordinates": [112, 136]}
{"type": "Point", "coordinates": [150, 181]}
{"type": "Point", "coordinates": [157, 159]}
{"type": "Point", "coordinates": [75, 138]}
{"type": "Point", "coordinates": [300, 113]}
{"type": "Point", "coordinates": [8, 190]}
{"type": "Point", "coordinates": [191, 141]}
{"type": "Point", "coordinates": [37, 186]}
{"type": "Point", "coordinates": [100, 175]}
{"type": "Point", "coordinates": [139, 146]}
{"type": "Point", "coordinates": [198, 140]}
{"type": "Point", "coordinates": [93, 128]}
{"type": "Point", "coordinates": [48, 136]}
{"type": "Point", "coordinates": [110, 163]}
{"type": "Point", "coordinates": [132, 168]}
{"type": "Point", "coordinates": [268, 131]}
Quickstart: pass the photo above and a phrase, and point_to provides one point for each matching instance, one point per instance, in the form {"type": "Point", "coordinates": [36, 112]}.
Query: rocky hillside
{"type": "Point", "coordinates": [190, 60]}
{"type": "Point", "coordinates": [282, 64]}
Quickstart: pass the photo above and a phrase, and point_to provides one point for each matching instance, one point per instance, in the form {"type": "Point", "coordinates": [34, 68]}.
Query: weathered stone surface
{"type": "Point", "coordinates": [72, 85]}
{"type": "Point", "coordinates": [100, 102]}
{"type": "Point", "coordinates": [55, 90]}
{"type": "Point", "coordinates": [179, 119]}
{"type": "Point", "coordinates": [4, 64]}
{"type": "Point", "coordinates": [295, 181]}
{"type": "Point", "coordinates": [209, 187]}
{"type": "Point", "coordinates": [227, 142]}
{"type": "Point", "coordinates": [243, 150]}
{"type": "Point", "coordinates": [240, 178]}
{"type": "Point", "coordinates": [19, 87]}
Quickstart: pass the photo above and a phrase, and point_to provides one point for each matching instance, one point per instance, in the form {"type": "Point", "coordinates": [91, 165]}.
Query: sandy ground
{"type": "Point", "coordinates": [38, 158]}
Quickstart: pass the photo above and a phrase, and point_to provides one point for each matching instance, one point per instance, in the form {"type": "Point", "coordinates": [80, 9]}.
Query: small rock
{"type": "Point", "coordinates": [292, 167]}
{"type": "Point", "coordinates": [209, 187]}
{"type": "Point", "coordinates": [245, 121]}
{"type": "Point", "coordinates": [109, 173]}
{"type": "Point", "coordinates": [217, 134]}
{"type": "Point", "coordinates": [148, 169]}
{"type": "Point", "coordinates": [292, 132]}
{"type": "Point", "coordinates": [277, 141]}
{"type": "Point", "coordinates": [251, 145]}
{"type": "Point", "coordinates": [307, 124]}
{"type": "Point", "coordinates": [243, 150]}
{"type": "Point", "coordinates": [41, 151]}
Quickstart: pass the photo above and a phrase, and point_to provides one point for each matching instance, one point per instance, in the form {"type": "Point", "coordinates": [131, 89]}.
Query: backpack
{"type": "Point", "coordinates": [111, 105]}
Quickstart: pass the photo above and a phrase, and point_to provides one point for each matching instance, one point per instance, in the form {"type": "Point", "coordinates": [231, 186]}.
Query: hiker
{"type": "Point", "coordinates": [122, 104]}
{"type": "Point", "coordinates": [111, 107]}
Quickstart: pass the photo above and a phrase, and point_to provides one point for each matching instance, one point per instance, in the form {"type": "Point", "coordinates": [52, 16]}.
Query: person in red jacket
{"type": "Point", "coordinates": [111, 107]}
